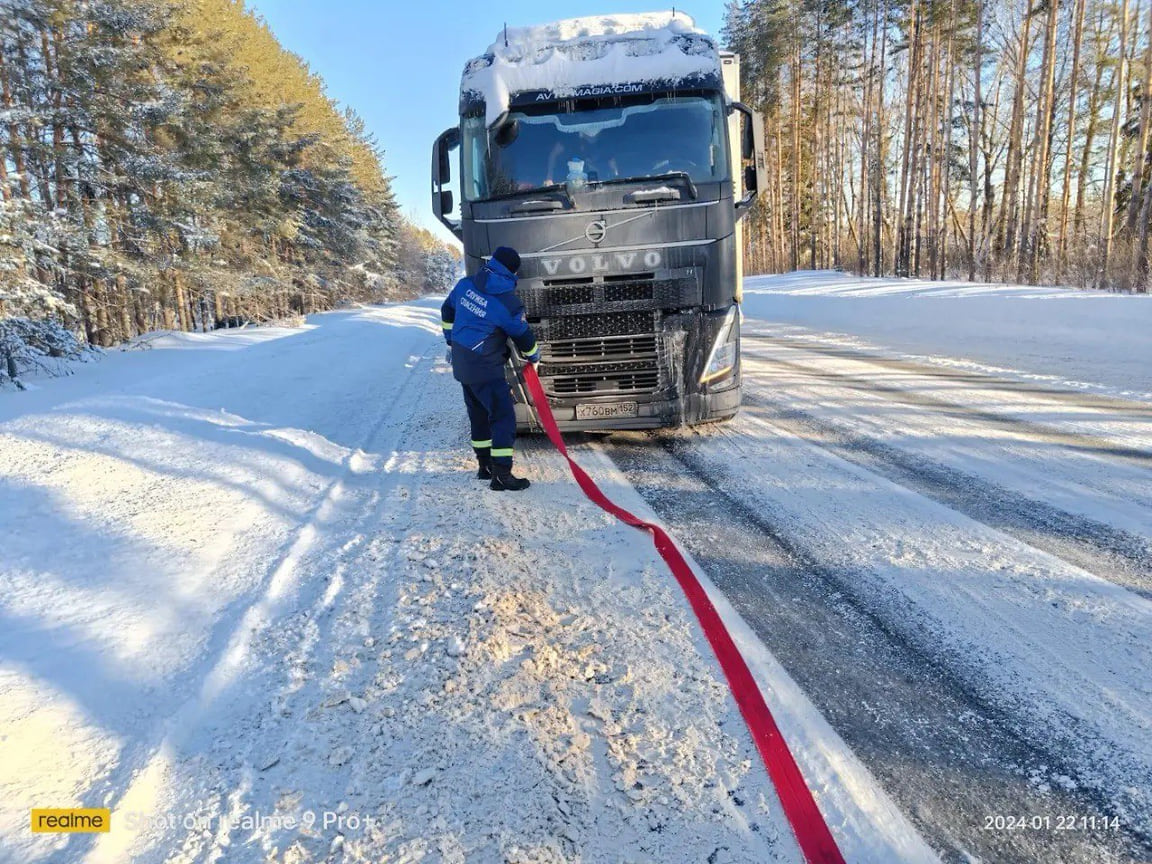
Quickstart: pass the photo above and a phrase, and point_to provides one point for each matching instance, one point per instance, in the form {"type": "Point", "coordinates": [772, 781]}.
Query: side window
{"type": "Point", "coordinates": [475, 159]}
{"type": "Point", "coordinates": [479, 174]}
{"type": "Point", "coordinates": [479, 166]}
{"type": "Point", "coordinates": [719, 141]}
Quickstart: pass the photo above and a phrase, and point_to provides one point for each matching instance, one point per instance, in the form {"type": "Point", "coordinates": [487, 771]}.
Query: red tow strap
{"type": "Point", "coordinates": [812, 834]}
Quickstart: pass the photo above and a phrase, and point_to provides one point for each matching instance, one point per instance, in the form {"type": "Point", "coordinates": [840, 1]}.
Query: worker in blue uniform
{"type": "Point", "coordinates": [479, 317]}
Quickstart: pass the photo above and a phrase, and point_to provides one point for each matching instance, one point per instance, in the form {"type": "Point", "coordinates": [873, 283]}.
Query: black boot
{"type": "Point", "coordinates": [484, 460]}
{"type": "Point", "coordinates": [503, 481]}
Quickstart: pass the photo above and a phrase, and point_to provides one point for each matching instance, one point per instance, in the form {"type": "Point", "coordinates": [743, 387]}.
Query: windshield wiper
{"type": "Point", "coordinates": [653, 196]}
{"type": "Point", "coordinates": [554, 187]}
{"type": "Point", "coordinates": [671, 175]}
{"type": "Point", "coordinates": [536, 205]}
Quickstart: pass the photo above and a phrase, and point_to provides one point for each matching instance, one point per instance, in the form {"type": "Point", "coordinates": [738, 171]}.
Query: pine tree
{"type": "Point", "coordinates": [166, 163]}
{"type": "Point", "coordinates": [977, 138]}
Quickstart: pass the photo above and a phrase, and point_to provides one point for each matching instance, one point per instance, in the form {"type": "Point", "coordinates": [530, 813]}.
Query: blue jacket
{"type": "Point", "coordinates": [479, 317]}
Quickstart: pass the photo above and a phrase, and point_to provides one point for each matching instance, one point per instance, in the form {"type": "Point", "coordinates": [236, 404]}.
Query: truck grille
{"type": "Point", "coordinates": [604, 365]}
{"type": "Point", "coordinates": [641, 292]}
{"type": "Point", "coordinates": [597, 326]}
{"type": "Point", "coordinates": [629, 292]}
{"type": "Point", "coordinates": [605, 384]}
{"type": "Point", "coordinates": [573, 295]}
{"type": "Point", "coordinates": [601, 349]}
{"type": "Point", "coordinates": [601, 337]}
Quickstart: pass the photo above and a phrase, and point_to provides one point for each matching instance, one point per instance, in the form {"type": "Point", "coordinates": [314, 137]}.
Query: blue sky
{"type": "Point", "coordinates": [398, 63]}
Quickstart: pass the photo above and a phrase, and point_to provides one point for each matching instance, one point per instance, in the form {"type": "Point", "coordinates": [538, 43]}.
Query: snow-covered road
{"type": "Point", "coordinates": [955, 560]}
{"type": "Point", "coordinates": [252, 600]}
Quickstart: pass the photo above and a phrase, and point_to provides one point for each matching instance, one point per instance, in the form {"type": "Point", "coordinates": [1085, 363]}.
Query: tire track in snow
{"type": "Point", "coordinates": [1099, 447]}
{"type": "Point", "coordinates": [351, 646]}
{"type": "Point", "coordinates": [349, 594]}
{"type": "Point", "coordinates": [1111, 553]}
{"type": "Point", "coordinates": [1084, 400]}
{"type": "Point", "coordinates": [945, 755]}
{"type": "Point", "coordinates": [135, 784]}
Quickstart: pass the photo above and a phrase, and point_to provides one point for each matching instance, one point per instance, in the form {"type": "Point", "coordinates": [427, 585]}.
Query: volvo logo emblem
{"type": "Point", "coordinates": [596, 231]}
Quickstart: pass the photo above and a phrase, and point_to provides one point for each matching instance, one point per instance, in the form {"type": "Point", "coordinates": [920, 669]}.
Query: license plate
{"type": "Point", "coordinates": [609, 411]}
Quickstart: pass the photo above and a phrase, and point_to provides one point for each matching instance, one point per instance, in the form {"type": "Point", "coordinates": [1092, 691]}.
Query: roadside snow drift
{"type": "Point", "coordinates": [1083, 340]}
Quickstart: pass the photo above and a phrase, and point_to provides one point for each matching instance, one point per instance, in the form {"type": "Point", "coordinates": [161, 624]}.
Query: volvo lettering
{"type": "Point", "coordinates": [614, 153]}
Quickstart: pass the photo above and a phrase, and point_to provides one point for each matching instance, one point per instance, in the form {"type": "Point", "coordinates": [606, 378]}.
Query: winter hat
{"type": "Point", "coordinates": [509, 257]}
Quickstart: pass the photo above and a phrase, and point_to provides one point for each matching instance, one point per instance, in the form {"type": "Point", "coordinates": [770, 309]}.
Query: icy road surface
{"type": "Point", "coordinates": [936, 511]}
{"type": "Point", "coordinates": [253, 600]}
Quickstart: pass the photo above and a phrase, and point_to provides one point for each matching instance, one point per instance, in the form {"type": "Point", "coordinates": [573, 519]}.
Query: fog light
{"type": "Point", "coordinates": [722, 359]}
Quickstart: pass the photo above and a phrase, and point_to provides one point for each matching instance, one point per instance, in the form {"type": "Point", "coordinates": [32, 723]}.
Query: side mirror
{"type": "Point", "coordinates": [445, 165]}
{"type": "Point", "coordinates": [754, 175]}
{"type": "Point", "coordinates": [442, 200]}
{"type": "Point", "coordinates": [448, 141]}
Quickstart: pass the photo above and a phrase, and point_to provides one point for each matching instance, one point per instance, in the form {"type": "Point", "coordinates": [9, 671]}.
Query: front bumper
{"type": "Point", "coordinates": [692, 410]}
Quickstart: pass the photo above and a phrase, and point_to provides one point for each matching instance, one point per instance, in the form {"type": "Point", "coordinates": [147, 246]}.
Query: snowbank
{"type": "Point", "coordinates": [30, 349]}
{"type": "Point", "coordinates": [565, 57]}
{"type": "Point", "coordinates": [1084, 340]}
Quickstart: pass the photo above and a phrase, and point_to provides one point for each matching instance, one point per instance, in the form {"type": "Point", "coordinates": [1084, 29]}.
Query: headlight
{"type": "Point", "coordinates": [722, 359]}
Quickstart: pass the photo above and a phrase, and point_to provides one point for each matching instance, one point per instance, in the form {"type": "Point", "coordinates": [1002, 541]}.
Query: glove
{"type": "Point", "coordinates": [534, 358]}
{"type": "Point", "coordinates": [448, 354]}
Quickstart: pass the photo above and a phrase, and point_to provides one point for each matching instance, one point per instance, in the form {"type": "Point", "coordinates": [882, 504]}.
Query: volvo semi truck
{"type": "Point", "coordinates": [615, 155]}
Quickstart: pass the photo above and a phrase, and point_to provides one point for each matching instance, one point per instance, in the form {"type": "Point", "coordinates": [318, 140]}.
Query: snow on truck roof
{"type": "Point", "coordinates": [564, 57]}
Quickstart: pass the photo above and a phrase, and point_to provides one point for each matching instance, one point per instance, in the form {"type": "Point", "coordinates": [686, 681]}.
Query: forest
{"type": "Point", "coordinates": [166, 164]}
{"type": "Point", "coordinates": [993, 140]}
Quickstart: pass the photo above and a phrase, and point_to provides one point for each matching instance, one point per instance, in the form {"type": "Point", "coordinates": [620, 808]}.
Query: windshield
{"type": "Point", "coordinates": [534, 148]}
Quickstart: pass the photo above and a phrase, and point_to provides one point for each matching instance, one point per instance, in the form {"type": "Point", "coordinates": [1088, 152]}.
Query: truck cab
{"type": "Point", "coordinates": [611, 155]}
